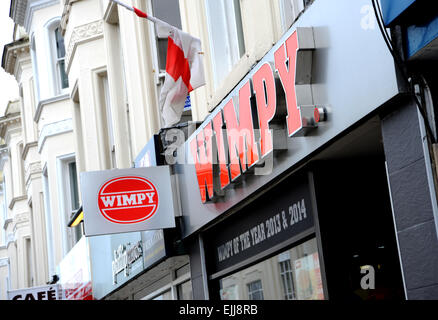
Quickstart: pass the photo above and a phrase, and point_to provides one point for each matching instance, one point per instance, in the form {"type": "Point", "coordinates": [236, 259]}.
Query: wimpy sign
{"type": "Point", "coordinates": [239, 135]}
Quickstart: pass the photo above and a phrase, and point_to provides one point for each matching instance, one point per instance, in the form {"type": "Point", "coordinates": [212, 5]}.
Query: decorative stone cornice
{"type": "Point", "coordinates": [66, 14]}
{"type": "Point", "coordinates": [82, 34]}
{"type": "Point", "coordinates": [18, 11]}
{"type": "Point", "coordinates": [45, 102]}
{"type": "Point", "coordinates": [15, 200]}
{"type": "Point", "coordinates": [7, 121]}
{"type": "Point", "coordinates": [53, 129]}
{"type": "Point", "coordinates": [12, 52]}
{"type": "Point", "coordinates": [21, 218]}
{"type": "Point", "coordinates": [27, 147]}
{"type": "Point", "coordinates": [6, 223]}
{"type": "Point", "coordinates": [22, 10]}
{"type": "Point", "coordinates": [33, 168]}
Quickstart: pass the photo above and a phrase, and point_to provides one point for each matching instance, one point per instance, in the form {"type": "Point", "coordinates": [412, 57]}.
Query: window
{"type": "Point", "coordinates": [294, 274]}
{"type": "Point", "coordinates": [255, 290]}
{"type": "Point", "coordinates": [185, 291]}
{"type": "Point", "coordinates": [74, 198]}
{"type": "Point", "coordinates": [226, 36]}
{"type": "Point", "coordinates": [21, 169]}
{"type": "Point", "coordinates": [164, 296]}
{"type": "Point", "coordinates": [45, 200]}
{"type": "Point", "coordinates": [29, 262]}
{"type": "Point", "coordinates": [57, 57]}
{"type": "Point", "coordinates": [108, 122]}
{"type": "Point", "coordinates": [175, 285]}
{"type": "Point", "coordinates": [290, 9]}
{"type": "Point", "coordinates": [286, 276]}
{"type": "Point", "coordinates": [60, 59]}
{"type": "Point", "coordinates": [69, 200]}
{"type": "Point", "coordinates": [168, 11]}
{"type": "Point", "coordinates": [77, 129]}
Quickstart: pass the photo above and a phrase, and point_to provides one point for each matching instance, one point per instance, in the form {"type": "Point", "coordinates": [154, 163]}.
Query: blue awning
{"type": "Point", "coordinates": [392, 9]}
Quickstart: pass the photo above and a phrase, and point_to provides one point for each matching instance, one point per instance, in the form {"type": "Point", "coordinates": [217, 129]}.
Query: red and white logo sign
{"type": "Point", "coordinates": [126, 200]}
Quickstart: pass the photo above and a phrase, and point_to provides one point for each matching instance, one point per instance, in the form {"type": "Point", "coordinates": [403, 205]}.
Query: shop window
{"type": "Point", "coordinates": [164, 296]}
{"type": "Point", "coordinates": [255, 290]}
{"type": "Point", "coordinates": [297, 278]}
{"type": "Point", "coordinates": [286, 276]}
{"type": "Point", "coordinates": [226, 36]}
{"type": "Point", "coordinates": [185, 291]}
{"type": "Point", "coordinates": [290, 9]}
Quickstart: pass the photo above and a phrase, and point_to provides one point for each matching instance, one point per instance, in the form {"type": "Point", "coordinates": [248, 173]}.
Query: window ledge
{"type": "Point", "coordinates": [45, 102]}
{"type": "Point", "coordinates": [6, 223]}
{"type": "Point", "coordinates": [15, 200]}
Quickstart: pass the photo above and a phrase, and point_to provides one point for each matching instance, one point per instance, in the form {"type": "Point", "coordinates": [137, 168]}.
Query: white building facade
{"type": "Point", "coordinates": [47, 149]}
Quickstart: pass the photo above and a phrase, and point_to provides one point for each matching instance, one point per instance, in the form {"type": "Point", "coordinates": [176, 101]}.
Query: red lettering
{"type": "Point", "coordinates": [266, 97]}
{"type": "Point", "coordinates": [222, 155]}
{"type": "Point", "coordinates": [202, 153]}
{"type": "Point", "coordinates": [240, 132]}
{"type": "Point", "coordinates": [285, 65]}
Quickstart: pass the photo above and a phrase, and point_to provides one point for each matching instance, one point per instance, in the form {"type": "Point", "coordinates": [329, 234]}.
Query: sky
{"type": "Point", "coordinates": [8, 85]}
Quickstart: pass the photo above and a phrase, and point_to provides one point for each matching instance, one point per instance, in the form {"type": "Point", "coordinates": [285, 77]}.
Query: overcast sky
{"type": "Point", "coordinates": [8, 85]}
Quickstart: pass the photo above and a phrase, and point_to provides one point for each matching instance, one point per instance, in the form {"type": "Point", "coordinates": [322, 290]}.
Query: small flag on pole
{"type": "Point", "coordinates": [184, 67]}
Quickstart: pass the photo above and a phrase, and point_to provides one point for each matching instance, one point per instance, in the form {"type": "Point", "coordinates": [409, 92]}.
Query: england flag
{"type": "Point", "coordinates": [184, 67]}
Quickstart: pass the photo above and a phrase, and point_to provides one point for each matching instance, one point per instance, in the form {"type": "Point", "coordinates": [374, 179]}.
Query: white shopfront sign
{"type": "Point", "coordinates": [52, 292]}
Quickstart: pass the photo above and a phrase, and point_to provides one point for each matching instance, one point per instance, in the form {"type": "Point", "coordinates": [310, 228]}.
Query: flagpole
{"type": "Point", "coordinates": [138, 12]}
{"type": "Point", "coordinates": [123, 5]}
{"type": "Point", "coordinates": [142, 14]}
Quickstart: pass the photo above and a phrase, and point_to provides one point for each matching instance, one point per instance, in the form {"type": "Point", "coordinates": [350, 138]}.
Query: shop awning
{"type": "Point", "coordinates": [77, 218]}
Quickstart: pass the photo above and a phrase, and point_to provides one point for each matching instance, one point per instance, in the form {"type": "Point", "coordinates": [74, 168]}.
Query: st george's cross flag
{"type": "Point", "coordinates": [184, 67]}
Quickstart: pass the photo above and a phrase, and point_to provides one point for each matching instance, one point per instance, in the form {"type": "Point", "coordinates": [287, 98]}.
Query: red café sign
{"type": "Point", "coordinates": [229, 138]}
{"type": "Point", "coordinates": [126, 200]}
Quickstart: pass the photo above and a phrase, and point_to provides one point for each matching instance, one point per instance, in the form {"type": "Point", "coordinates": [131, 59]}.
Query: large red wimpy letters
{"type": "Point", "coordinates": [236, 147]}
{"type": "Point", "coordinates": [240, 133]}
{"type": "Point", "coordinates": [266, 97]}
{"type": "Point", "coordinates": [287, 53]}
{"type": "Point", "coordinates": [221, 151]}
{"type": "Point", "coordinates": [202, 152]}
